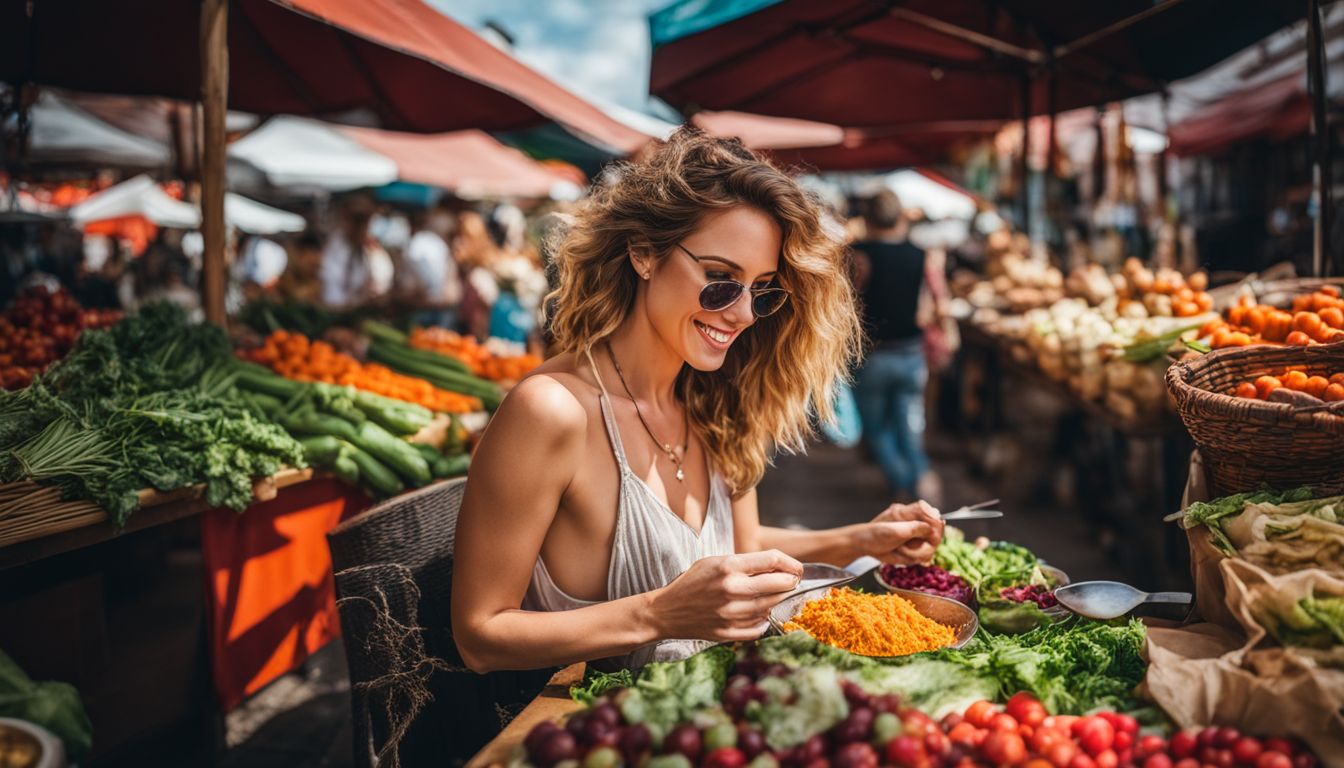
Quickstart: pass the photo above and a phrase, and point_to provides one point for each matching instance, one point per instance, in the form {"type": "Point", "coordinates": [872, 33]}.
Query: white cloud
{"type": "Point", "coordinates": [598, 48]}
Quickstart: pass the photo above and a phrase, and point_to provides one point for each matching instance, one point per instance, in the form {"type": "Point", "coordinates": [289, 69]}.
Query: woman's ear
{"type": "Point", "coordinates": [641, 260]}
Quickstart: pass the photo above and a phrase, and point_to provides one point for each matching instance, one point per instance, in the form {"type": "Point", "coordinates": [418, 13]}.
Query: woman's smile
{"type": "Point", "coordinates": [718, 338]}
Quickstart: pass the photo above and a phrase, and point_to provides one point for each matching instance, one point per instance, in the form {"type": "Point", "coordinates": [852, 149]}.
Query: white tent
{"type": "Point", "coordinates": [257, 219]}
{"type": "Point", "coordinates": [938, 201]}
{"type": "Point", "coordinates": [138, 196]}
{"type": "Point", "coordinates": [295, 152]}
{"type": "Point", "coordinates": [62, 132]}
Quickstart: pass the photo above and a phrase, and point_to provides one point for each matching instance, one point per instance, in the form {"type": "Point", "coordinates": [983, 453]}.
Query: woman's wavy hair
{"type": "Point", "coordinates": [783, 371]}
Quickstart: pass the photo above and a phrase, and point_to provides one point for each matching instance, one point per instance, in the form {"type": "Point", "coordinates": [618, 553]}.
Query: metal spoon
{"type": "Point", "coordinates": [1111, 599]}
{"type": "Point", "coordinates": [820, 576]}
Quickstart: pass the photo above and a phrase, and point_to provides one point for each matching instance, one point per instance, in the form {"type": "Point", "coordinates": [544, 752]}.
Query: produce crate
{"type": "Point", "coordinates": [1249, 444]}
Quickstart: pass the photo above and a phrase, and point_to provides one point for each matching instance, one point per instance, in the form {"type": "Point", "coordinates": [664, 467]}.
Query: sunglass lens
{"type": "Point", "coordinates": [719, 295]}
{"type": "Point", "coordinates": [769, 301]}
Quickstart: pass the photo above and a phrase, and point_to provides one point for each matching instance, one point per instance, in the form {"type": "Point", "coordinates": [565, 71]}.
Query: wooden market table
{"type": "Point", "coordinates": [552, 702]}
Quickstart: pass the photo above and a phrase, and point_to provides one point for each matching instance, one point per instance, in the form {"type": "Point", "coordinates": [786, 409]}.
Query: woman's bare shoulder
{"type": "Point", "coordinates": [555, 398]}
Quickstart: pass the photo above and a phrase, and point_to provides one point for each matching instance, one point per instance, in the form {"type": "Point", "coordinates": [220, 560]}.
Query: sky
{"type": "Point", "coordinates": [597, 48]}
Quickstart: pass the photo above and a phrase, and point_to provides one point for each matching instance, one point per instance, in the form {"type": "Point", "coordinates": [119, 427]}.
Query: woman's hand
{"type": "Point", "coordinates": [725, 598]}
{"type": "Point", "coordinates": [904, 534]}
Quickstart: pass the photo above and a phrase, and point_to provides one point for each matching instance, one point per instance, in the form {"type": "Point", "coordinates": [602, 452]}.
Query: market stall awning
{"type": "Point", "coordinates": [62, 133]}
{"type": "Point", "coordinates": [138, 197]}
{"type": "Point", "coordinates": [401, 63]}
{"type": "Point", "coordinates": [859, 63]}
{"type": "Point", "coordinates": [470, 164]}
{"type": "Point", "coordinates": [257, 219]}
{"type": "Point", "coordinates": [825, 147]}
{"type": "Point", "coordinates": [307, 154]}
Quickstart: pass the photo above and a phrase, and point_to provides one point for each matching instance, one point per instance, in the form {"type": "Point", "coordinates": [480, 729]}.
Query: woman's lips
{"type": "Point", "coordinates": [717, 337]}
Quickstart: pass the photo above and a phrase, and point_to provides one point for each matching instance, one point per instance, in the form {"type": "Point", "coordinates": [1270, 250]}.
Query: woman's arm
{"type": "Point", "coordinates": [519, 473]}
{"type": "Point", "coordinates": [903, 533]}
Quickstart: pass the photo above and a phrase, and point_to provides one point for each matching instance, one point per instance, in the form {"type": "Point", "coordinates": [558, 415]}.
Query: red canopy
{"type": "Point", "coordinates": [826, 147]}
{"type": "Point", "coordinates": [470, 163]}
{"type": "Point", "coordinates": [1275, 110]}
{"type": "Point", "coordinates": [414, 68]}
{"type": "Point", "coordinates": [862, 63]}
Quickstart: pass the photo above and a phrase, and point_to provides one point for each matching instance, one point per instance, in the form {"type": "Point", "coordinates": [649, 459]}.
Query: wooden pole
{"type": "Point", "coordinates": [1320, 133]}
{"type": "Point", "coordinates": [214, 102]}
{"type": "Point", "coordinates": [1025, 190]}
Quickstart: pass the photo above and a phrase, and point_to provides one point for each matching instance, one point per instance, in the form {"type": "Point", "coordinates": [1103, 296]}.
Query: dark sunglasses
{"type": "Point", "coordinates": [719, 295]}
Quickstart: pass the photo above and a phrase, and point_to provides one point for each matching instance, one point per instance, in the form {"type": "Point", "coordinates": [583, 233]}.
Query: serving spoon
{"type": "Point", "coordinates": [1112, 599]}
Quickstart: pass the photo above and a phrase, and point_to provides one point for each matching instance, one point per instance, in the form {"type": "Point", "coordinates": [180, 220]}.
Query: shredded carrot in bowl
{"type": "Point", "coordinates": [871, 625]}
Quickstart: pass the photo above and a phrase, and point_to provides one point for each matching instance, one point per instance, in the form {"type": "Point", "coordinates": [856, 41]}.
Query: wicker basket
{"type": "Point", "coordinates": [1248, 444]}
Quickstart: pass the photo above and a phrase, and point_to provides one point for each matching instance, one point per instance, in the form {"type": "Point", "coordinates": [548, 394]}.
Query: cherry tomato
{"type": "Point", "coordinates": [1280, 745]}
{"type": "Point", "coordinates": [1026, 708]}
{"type": "Point", "coordinates": [980, 713]}
{"type": "Point", "coordinates": [962, 733]}
{"type": "Point", "coordinates": [1043, 738]}
{"type": "Point", "coordinates": [1247, 750]}
{"type": "Point", "coordinates": [1061, 753]}
{"type": "Point", "coordinates": [1304, 760]}
{"type": "Point", "coordinates": [1126, 724]}
{"type": "Point", "coordinates": [1151, 745]}
{"type": "Point", "coordinates": [1003, 722]}
{"type": "Point", "coordinates": [1184, 744]}
{"type": "Point", "coordinates": [1081, 760]}
{"type": "Point", "coordinates": [1108, 759]}
{"type": "Point", "coordinates": [1187, 762]}
{"type": "Point", "coordinates": [732, 757]}
{"type": "Point", "coordinates": [1097, 736]}
{"type": "Point", "coordinates": [909, 752]}
{"type": "Point", "coordinates": [1157, 760]}
{"type": "Point", "coordinates": [1002, 747]}
{"type": "Point", "coordinates": [1206, 737]}
{"type": "Point", "coordinates": [1123, 740]}
{"type": "Point", "coordinates": [1273, 760]}
{"type": "Point", "coordinates": [1225, 738]}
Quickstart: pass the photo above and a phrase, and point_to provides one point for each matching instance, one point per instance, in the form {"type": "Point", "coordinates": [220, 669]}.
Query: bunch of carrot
{"type": "Point", "coordinates": [294, 356]}
{"type": "Point", "coordinates": [1317, 318]}
{"type": "Point", "coordinates": [1297, 380]}
{"type": "Point", "coordinates": [477, 357]}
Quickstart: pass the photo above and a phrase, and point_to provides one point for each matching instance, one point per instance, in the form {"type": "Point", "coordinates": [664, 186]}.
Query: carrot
{"type": "Point", "coordinates": [871, 625]}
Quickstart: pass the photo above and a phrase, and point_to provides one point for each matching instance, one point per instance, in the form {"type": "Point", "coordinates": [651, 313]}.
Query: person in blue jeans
{"type": "Point", "coordinates": [889, 391]}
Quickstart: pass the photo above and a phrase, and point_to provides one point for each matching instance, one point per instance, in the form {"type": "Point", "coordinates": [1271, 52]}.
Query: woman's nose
{"type": "Point", "coordinates": [740, 314]}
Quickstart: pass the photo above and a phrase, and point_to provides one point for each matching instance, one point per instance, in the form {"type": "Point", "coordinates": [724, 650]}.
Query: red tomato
{"type": "Point", "coordinates": [980, 713]}
{"type": "Point", "coordinates": [1026, 708]}
{"type": "Point", "coordinates": [962, 733]}
{"type": "Point", "coordinates": [1004, 748]}
{"type": "Point", "coordinates": [1097, 736]}
{"type": "Point", "coordinates": [1043, 738]}
{"type": "Point", "coordinates": [1207, 736]}
{"type": "Point", "coordinates": [908, 752]}
{"type": "Point", "coordinates": [1157, 760]}
{"type": "Point", "coordinates": [1273, 760]}
{"type": "Point", "coordinates": [1183, 744]}
{"type": "Point", "coordinates": [936, 743]}
{"type": "Point", "coordinates": [1225, 738]}
{"type": "Point", "coordinates": [1188, 762]}
{"type": "Point", "coordinates": [1064, 722]}
{"type": "Point", "coordinates": [1281, 745]}
{"type": "Point", "coordinates": [1081, 760]}
{"type": "Point", "coordinates": [1123, 740]}
{"type": "Point", "coordinates": [1126, 724]}
{"type": "Point", "coordinates": [1003, 722]}
{"type": "Point", "coordinates": [1247, 750]}
{"type": "Point", "coordinates": [1108, 759]}
{"type": "Point", "coordinates": [1061, 753]}
{"type": "Point", "coordinates": [1151, 745]}
{"type": "Point", "coordinates": [1037, 762]}
{"type": "Point", "coordinates": [1304, 760]}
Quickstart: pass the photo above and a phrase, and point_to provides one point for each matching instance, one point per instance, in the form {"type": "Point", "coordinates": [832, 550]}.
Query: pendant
{"type": "Point", "coordinates": [681, 476]}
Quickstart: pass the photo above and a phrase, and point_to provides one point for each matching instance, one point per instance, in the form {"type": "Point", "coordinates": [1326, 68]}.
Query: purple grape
{"type": "Point", "coordinates": [750, 741]}
{"type": "Point", "coordinates": [557, 746]}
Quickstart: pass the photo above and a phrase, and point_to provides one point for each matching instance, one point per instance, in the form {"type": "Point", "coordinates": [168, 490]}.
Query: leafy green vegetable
{"type": "Point", "coordinates": [52, 705]}
{"type": "Point", "coordinates": [799, 706]}
{"type": "Point", "coordinates": [1212, 513]}
{"type": "Point", "coordinates": [1311, 622]}
{"type": "Point", "coordinates": [667, 693]}
{"type": "Point", "coordinates": [975, 564]}
{"type": "Point", "coordinates": [596, 683]}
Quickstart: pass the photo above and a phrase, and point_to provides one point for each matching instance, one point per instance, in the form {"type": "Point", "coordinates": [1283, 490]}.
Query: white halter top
{"type": "Point", "coordinates": [652, 546]}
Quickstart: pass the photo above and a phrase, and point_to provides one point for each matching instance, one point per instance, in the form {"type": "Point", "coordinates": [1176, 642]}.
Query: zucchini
{"type": "Point", "coordinates": [431, 361]}
{"type": "Point", "coordinates": [345, 467]}
{"type": "Point", "coordinates": [463, 383]}
{"type": "Point", "coordinates": [307, 421]}
{"type": "Point", "coordinates": [395, 416]}
{"type": "Point", "coordinates": [427, 453]}
{"type": "Point", "coordinates": [264, 404]}
{"type": "Point", "coordinates": [456, 439]}
{"type": "Point", "coordinates": [256, 378]}
{"type": "Point", "coordinates": [398, 454]}
{"type": "Point", "coordinates": [374, 474]}
{"type": "Point", "coordinates": [376, 330]}
{"type": "Point", "coordinates": [452, 466]}
{"type": "Point", "coordinates": [321, 450]}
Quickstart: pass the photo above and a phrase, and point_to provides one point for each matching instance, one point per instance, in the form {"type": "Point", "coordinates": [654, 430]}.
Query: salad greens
{"type": "Point", "coordinates": [805, 703]}
{"type": "Point", "coordinates": [1073, 667]}
{"type": "Point", "coordinates": [1282, 531]}
{"type": "Point", "coordinates": [666, 693]}
{"type": "Point", "coordinates": [975, 564]}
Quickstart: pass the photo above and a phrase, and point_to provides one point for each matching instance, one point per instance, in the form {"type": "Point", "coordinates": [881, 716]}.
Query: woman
{"type": "Point", "coordinates": [701, 316]}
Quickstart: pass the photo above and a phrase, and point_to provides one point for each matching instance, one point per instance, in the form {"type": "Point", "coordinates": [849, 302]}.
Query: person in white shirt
{"type": "Point", "coordinates": [355, 268]}
{"type": "Point", "coordinates": [434, 283]}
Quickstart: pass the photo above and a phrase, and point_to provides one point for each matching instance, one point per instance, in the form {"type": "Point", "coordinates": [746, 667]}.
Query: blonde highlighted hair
{"type": "Point", "coordinates": [782, 372]}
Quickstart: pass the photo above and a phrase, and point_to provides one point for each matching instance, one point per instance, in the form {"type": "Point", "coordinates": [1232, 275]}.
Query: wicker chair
{"type": "Point", "coordinates": [414, 703]}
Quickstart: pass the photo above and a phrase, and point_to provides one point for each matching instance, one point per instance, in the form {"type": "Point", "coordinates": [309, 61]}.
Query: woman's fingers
{"type": "Point", "coordinates": [774, 583]}
{"type": "Point", "coordinates": [767, 561]}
